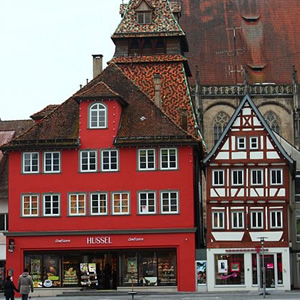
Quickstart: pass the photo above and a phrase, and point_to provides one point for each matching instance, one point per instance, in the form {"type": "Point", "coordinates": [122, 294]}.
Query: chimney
{"type": "Point", "coordinates": [97, 64]}
{"type": "Point", "coordinates": [157, 86]}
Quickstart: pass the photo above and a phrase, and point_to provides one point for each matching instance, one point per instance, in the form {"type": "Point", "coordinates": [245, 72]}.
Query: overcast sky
{"type": "Point", "coordinates": [46, 50]}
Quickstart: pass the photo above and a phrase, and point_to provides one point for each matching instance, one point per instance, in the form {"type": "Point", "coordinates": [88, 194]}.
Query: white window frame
{"type": "Point", "coordinates": [281, 177]}
{"type": "Point", "coordinates": [109, 163]}
{"type": "Point", "coordinates": [253, 143]}
{"type": "Point", "coordinates": [52, 205]}
{"type": "Point", "coordinates": [144, 17]}
{"type": "Point", "coordinates": [169, 202]}
{"type": "Point", "coordinates": [235, 218]}
{"type": "Point", "coordinates": [146, 159]}
{"type": "Point", "coordinates": [52, 162]}
{"type": "Point", "coordinates": [78, 207]}
{"type": "Point", "coordinates": [28, 161]}
{"type": "Point", "coordinates": [101, 201]}
{"type": "Point", "coordinates": [220, 218]}
{"type": "Point", "coordinates": [278, 218]}
{"type": "Point", "coordinates": [98, 111]}
{"type": "Point", "coordinates": [257, 171]}
{"type": "Point", "coordinates": [121, 207]}
{"type": "Point", "coordinates": [144, 207]}
{"type": "Point", "coordinates": [89, 164]}
{"type": "Point", "coordinates": [171, 164]}
{"type": "Point", "coordinates": [220, 175]}
{"type": "Point", "coordinates": [259, 216]}
{"type": "Point", "coordinates": [232, 177]}
{"type": "Point", "coordinates": [241, 143]}
{"type": "Point", "coordinates": [30, 208]}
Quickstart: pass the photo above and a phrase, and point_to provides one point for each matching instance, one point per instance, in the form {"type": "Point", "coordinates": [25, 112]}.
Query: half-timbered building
{"type": "Point", "coordinates": [248, 194]}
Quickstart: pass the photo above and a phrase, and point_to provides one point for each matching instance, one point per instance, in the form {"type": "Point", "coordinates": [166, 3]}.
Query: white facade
{"type": "Point", "coordinates": [281, 270]}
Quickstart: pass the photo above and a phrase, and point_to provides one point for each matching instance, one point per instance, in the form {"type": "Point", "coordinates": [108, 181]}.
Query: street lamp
{"type": "Point", "coordinates": [262, 253]}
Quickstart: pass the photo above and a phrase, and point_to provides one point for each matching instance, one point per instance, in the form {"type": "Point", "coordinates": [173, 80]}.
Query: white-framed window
{"type": "Point", "coordinates": [88, 161]}
{"type": "Point", "coordinates": [276, 176]}
{"type": "Point", "coordinates": [51, 205]}
{"type": "Point", "coordinates": [77, 204]}
{"type": "Point", "coordinates": [276, 219]}
{"type": "Point", "coordinates": [3, 222]}
{"type": "Point", "coordinates": [169, 202]}
{"type": "Point", "coordinates": [30, 205]}
{"type": "Point", "coordinates": [241, 143]}
{"type": "Point", "coordinates": [218, 220]}
{"type": "Point", "coordinates": [109, 160]}
{"type": "Point", "coordinates": [147, 202]}
{"type": "Point", "coordinates": [144, 17]}
{"type": "Point", "coordinates": [257, 219]}
{"type": "Point", "coordinates": [97, 115]}
{"type": "Point", "coordinates": [99, 204]}
{"type": "Point", "coordinates": [31, 162]}
{"type": "Point", "coordinates": [218, 177]}
{"type": "Point", "coordinates": [237, 177]}
{"type": "Point", "coordinates": [257, 177]}
{"type": "Point", "coordinates": [146, 159]}
{"type": "Point", "coordinates": [253, 142]}
{"type": "Point", "coordinates": [51, 162]}
{"type": "Point", "coordinates": [168, 158]}
{"type": "Point", "coordinates": [237, 219]}
{"type": "Point", "coordinates": [120, 203]}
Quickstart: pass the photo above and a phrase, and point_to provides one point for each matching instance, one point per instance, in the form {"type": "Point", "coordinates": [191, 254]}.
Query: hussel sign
{"type": "Point", "coordinates": [98, 240]}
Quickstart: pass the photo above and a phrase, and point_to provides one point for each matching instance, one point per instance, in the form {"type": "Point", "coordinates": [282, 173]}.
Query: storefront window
{"type": "Point", "coordinates": [51, 269]}
{"type": "Point", "coordinates": [254, 269]}
{"type": "Point", "coordinates": [148, 268]}
{"type": "Point", "coordinates": [33, 263]}
{"type": "Point", "coordinates": [167, 268]}
{"type": "Point", "coordinates": [279, 268]}
{"type": "Point", "coordinates": [201, 271]}
{"type": "Point", "coordinates": [70, 270]}
{"type": "Point", "coordinates": [130, 269]}
{"type": "Point", "coordinates": [229, 269]}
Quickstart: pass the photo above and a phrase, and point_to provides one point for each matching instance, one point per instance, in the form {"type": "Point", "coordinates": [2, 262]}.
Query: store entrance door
{"type": "Point", "coordinates": [270, 270]}
{"type": "Point", "coordinates": [107, 271]}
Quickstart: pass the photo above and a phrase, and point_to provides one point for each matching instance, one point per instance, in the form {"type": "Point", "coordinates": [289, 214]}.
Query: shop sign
{"type": "Point", "coordinates": [99, 240]}
{"type": "Point", "coordinates": [62, 241]}
{"type": "Point", "coordinates": [135, 239]}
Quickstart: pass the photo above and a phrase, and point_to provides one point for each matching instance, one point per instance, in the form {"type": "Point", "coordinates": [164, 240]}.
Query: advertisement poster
{"type": "Point", "coordinates": [131, 265]}
{"type": "Point", "coordinates": [92, 267]}
{"type": "Point", "coordinates": [201, 272]}
{"type": "Point", "coordinates": [222, 266]}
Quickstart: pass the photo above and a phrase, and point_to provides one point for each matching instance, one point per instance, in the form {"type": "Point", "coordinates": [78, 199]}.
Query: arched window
{"type": "Point", "coordinates": [97, 116]}
{"type": "Point", "coordinates": [220, 122]}
{"type": "Point", "coordinates": [273, 121]}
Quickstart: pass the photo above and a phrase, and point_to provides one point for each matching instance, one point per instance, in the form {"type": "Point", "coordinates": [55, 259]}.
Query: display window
{"type": "Point", "coordinates": [103, 270]}
{"type": "Point", "coordinates": [229, 269]}
{"type": "Point", "coordinates": [254, 269]}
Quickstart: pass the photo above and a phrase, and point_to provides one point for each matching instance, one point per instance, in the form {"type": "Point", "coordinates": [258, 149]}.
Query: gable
{"type": "Point", "coordinates": [247, 137]}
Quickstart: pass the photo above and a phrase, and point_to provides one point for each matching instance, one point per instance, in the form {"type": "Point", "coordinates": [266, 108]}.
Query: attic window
{"type": "Point", "coordinates": [251, 19]}
{"type": "Point", "coordinates": [257, 68]}
{"type": "Point", "coordinates": [144, 17]}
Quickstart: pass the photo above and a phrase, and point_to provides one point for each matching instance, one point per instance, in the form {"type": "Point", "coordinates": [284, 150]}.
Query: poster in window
{"type": "Point", "coordinates": [235, 267]}
{"type": "Point", "coordinates": [222, 266]}
{"type": "Point", "coordinates": [201, 272]}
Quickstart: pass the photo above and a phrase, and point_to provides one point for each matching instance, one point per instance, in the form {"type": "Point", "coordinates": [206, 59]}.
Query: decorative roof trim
{"type": "Point", "coordinates": [261, 119]}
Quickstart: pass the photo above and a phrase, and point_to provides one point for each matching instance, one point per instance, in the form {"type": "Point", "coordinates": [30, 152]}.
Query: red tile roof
{"type": "Point", "coordinates": [174, 89]}
{"type": "Point", "coordinates": [142, 121]}
{"type": "Point", "coordinates": [266, 33]}
{"type": "Point", "coordinates": [163, 22]}
{"type": "Point", "coordinates": [44, 112]}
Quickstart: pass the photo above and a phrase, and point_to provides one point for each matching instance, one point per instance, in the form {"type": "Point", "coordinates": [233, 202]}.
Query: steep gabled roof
{"type": "Point", "coordinates": [248, 100]}
{"type": "Point", "coordinates": [163, 21]}
{"type": "Point", "coordinates": [141, 121]}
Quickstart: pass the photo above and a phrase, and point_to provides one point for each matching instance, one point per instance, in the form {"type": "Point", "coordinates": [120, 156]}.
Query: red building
{"type": "Point", "coordinates": [101, 192]}
{"type": "Point", "coordinates": [248, 197]}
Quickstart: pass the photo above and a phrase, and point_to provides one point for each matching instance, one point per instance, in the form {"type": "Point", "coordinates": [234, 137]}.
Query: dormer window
{"type": "Point", "coordinates": [143, 13]}
{"type": "Point", "coordinates": [97, 116]}
{"type": "Point", "coordinates": [144, 17]}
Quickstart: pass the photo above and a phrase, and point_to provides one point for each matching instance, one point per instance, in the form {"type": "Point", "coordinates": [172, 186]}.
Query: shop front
{"type": "Point", "coordinates": [238, 269]}
{"type": "Point", "coordinates": [107, 261]}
